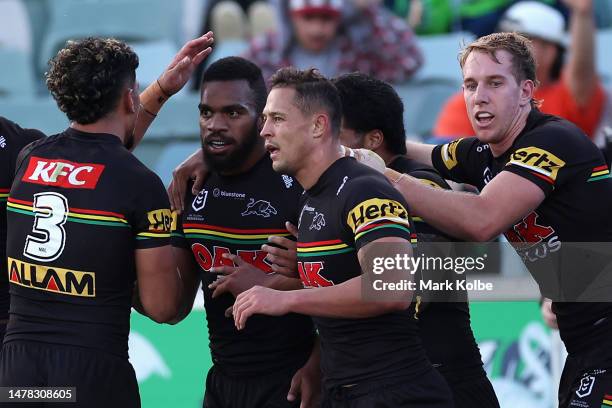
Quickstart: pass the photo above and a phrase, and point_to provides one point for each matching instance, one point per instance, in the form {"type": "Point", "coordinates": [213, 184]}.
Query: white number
{"type": "Point", "coordinates": [50, 214]}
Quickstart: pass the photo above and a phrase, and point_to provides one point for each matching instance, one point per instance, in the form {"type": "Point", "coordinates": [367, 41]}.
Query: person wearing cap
{"type": "Point", "coordinates": [336, 37]}
{"type": "Point", "coordinates": [571, 90]}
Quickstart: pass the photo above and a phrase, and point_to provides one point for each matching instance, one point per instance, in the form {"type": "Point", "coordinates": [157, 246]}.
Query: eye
{"type": "Point", "coordinates": [496, 84]}
{"type": "Point", "coordinates": [277, 119]}
{"type": "Point", "coordinates": [206, 113]}
{"type": "Point", "coordinates": [470, 86]}
{"type": "Point", "coordinates": [233, 114]}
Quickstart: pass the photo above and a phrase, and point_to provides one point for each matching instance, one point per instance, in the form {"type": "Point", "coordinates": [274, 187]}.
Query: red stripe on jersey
{"type": "Point", "coordinates": [547, 179]}
{"type": "Point", "coordinates": [318, 243]}
{"type": "Point", "coordinates": [600, 168]}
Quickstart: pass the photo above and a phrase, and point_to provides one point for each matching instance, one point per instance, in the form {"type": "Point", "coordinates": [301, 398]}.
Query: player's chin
{"type": "Point", "coordinates": [279, 166]}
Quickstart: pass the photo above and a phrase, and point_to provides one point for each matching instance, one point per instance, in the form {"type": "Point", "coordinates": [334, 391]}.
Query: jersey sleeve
{"type": "Point", "coordinates": [547, 156]}
{"type": "Point", "coordinates": [373, 209]}
{"type": "Point", "coordinates": [458, 160]}
{"type": "Point", "coordinates": [177, 236]}
{"type": "Point", "coordinates": [152, 218]}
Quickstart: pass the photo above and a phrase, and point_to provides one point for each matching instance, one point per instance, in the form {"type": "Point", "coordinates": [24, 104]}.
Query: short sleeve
{"type": "Point", "coordinates": [151, 216]}
{"type": "Point", "coordinates": [458, 160]}
{"type": "Point", "coordinates": [373, 209]}
{"type": "Point", "coordinates": [547, 156]}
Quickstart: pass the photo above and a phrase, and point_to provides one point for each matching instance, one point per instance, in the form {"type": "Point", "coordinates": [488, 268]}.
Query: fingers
{"type": "Point", "coordinates": [229, 311]}
{"type": "Point", "coordinates": [283, 242]}
{"type": "Point", "coordinates": [283, 270]}
{"type": "Point", "coordinates": [219, 288]}
{"type": "Point", "coordinates": [294, 389]}
{"type": "Point", "coordinates": [198, 183]}
{"type": "Point", "coordinates": [238, 261]}
{"type": "Point", "coordinates": [224, 269]}
{"type": "Point", "coordinates": [292, 229]}
{"type": "Point", "coordinates": [177, 188]}
{"type": "Point", "coordinates": [197, 60]}
{"type": "Point", "coordinates": [242, 311]}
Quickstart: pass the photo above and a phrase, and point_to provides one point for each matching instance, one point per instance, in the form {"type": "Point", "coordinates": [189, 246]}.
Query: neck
{"type": "Point", "coordinates": [109, 124]}
{"type": "Point", "coordinates": [257, 152]}
{"type": "Point", "coordinates": [316, 164]}
{"type": "Point", "coordinates": [385, 154]}
{"type": "Point", "coordinates": [515, 129]}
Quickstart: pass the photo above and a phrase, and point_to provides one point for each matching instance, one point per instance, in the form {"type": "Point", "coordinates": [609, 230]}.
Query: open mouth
{"type": "Point", "coordinates": [218, 145]}
{"type": "Point", "coordinates": [273, 150]}
{"type": "Point", "coordinates": [484, 118]}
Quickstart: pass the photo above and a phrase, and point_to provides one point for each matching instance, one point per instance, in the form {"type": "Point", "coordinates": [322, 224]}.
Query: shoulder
{"type": "Point", "coordinates": [14, 137]}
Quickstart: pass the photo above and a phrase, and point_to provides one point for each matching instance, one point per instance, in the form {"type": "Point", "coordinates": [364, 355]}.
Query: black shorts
{"type": "Point", "coordinates": [426, 391]}
{"type": "Point", "coordinates": [265, 391]}
{"type": "Point", "coordinates": [471, 388]}
{"type": "Point", "coordinates": [583, 386]}
{"type": "Point", "coordinates": [102, 380]}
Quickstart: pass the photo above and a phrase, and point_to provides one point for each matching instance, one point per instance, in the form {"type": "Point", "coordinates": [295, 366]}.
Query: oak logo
{"type": "Point", "coordinates": [537, 160]}
{"type": "Point", "coordinates": [374, 209]}
{"type": "Point", "coordinates": [310, 274]}
{"type": "Point", "coordinates": [62, 173]}
{"type": "Point", "coordinates": [208, 259]}
{"type": "Point", "coordinates": [449, 153]}
{"type": "Point", "coordinates": [160, 220]}
{"type": "Point", "coordinates": [52, 279]}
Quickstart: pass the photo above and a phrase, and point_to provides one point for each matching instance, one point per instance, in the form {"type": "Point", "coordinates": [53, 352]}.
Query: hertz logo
{"type": "Point", "coordinates": [374, 209]}
{"type": "Point", "coordinates": [537, 160]}
{"type": "Point", "coordinates": [449, 153]}
{"type": "Point", "coordinates": [51, 279]}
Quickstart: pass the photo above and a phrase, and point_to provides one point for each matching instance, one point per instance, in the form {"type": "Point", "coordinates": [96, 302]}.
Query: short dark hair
{"type": "Point", "coordinates": [368, 104]}
{"type": "Point", "coordinates": [517, 45]}
{"type": "Point", "coordinates": [236, 69]}
{"type": "Point", "coordinates": [312, 91]}
{"type": "Point", "coordinates": [87, 77]}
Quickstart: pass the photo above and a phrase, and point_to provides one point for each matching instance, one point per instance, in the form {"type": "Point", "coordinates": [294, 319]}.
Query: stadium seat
{"type": "Point", "coordinates": [423, 101]}
{"type": "Point", "coordinates": [16, 76]}
{"type": "Point", "coordinates": [169, 156]}
{"type": "Point", "coordinates": [440, 56]}
{"type": "Point", "coordinates": [228, 21]}
{"type": "Point", "coordinates": [38, 113]}
{"type": "Point", "coordinates": [133, 21]}
{"type": "Point", "coordinates": [603, 54]}
{"type": "Point", "coordinates": [15, 30]}
{"type": "Point", "coordinates": [154, 57]}
{"type": "Point", "coordinates": [177, 119]}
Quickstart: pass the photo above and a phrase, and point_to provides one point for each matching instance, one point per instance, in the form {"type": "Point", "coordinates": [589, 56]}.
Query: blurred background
{"type": "Point", "coordinates": [411, 43]}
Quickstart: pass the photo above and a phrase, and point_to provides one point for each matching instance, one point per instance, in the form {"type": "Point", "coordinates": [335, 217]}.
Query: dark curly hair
{"type": "Point", "coordinates": [369, 104]}
{"type": "Point", "coordinates": [312, 91]}
{"type": "Point", "coordinates": [86, 77]}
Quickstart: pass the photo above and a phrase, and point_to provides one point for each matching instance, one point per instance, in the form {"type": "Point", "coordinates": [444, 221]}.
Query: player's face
{"type": "Point", "coordinates": [315, 32]}
{"type": "Point", "coordinates": [228, 123]}
{"type": "Point", "coordinates": [286, 131]}
{"type": "Point", "coordinates": [493, 97]}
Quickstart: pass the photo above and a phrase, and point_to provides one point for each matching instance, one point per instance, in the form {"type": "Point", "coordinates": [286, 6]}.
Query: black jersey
{"type": "Point", "coordinates": [12, 139]}
{"type": "Point", "coordinates": [80, 205]}
{"type": "Point", "coordinates": [441, 319]}
{"type": "Point", "coordinates": [350, 206]}
{"type": "Point", "coordinates": [237, 214]}
{"type": "Point", "coordinates": [556, 156]}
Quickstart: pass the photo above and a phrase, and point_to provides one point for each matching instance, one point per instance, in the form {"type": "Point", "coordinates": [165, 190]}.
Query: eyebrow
{"type": "Point", "coordinates": [226, 108]}
{"type": "Point", "coordinates": [488, 78]}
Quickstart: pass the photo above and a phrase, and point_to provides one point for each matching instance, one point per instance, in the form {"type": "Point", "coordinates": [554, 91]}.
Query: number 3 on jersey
{"type": "Point", "coordinates": [50, 214]}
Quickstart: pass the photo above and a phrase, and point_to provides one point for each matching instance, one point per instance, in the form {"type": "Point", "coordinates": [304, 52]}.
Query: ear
{"type": "Point", "coordinates": [320, 125]}
{"type": "Point", "coordinates": [373, 139]}
{"type": "Point", "coordinates": [130, 101]}
{"type": "Point", "coordinates": [527, 91]}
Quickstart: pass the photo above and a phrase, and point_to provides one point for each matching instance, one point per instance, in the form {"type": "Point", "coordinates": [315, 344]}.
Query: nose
{"type": "Point", "coordinates": [480, 95]}
{"type": "Point", "coordinates": [266, 130]}
{"type": "Point", "coordinates": [216, 123]}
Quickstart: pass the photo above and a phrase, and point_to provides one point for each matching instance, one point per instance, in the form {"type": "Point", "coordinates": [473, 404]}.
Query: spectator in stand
{"type": "Point", "coordinates": [571, 90]}
{"type": "Point", "coordinates": [338, 37]}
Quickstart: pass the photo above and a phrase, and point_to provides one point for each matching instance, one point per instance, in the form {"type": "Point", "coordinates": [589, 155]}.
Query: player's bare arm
{"type": "Point", "coordinates": [172, 80]}
{"type": "Point", "coordinates": [190, 280]}
{"type": "Point", "coordinates": [475, 217]}
{"type": "Point", "coordinates": [339, 301]}
{"type": "Point", "coordinates": [159, 283]}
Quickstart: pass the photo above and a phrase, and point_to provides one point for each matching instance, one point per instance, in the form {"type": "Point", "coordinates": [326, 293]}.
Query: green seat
{"type": "Point", "coordinates": [16, 76]}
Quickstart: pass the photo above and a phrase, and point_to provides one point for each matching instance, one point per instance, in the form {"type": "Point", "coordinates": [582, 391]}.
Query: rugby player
{"type": "Point", "coordinates": [13, 138]}
{"type": "Point", "coordinates": [371, 354]}
{"type": "Point", "coordinates": [372, 118]}
{"type": "Point", "coordinates": [543, 184]}
{"type": "Point", "coordinates": [218, 241]}
{"type": "Point", "coordinates": [86, 220]}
